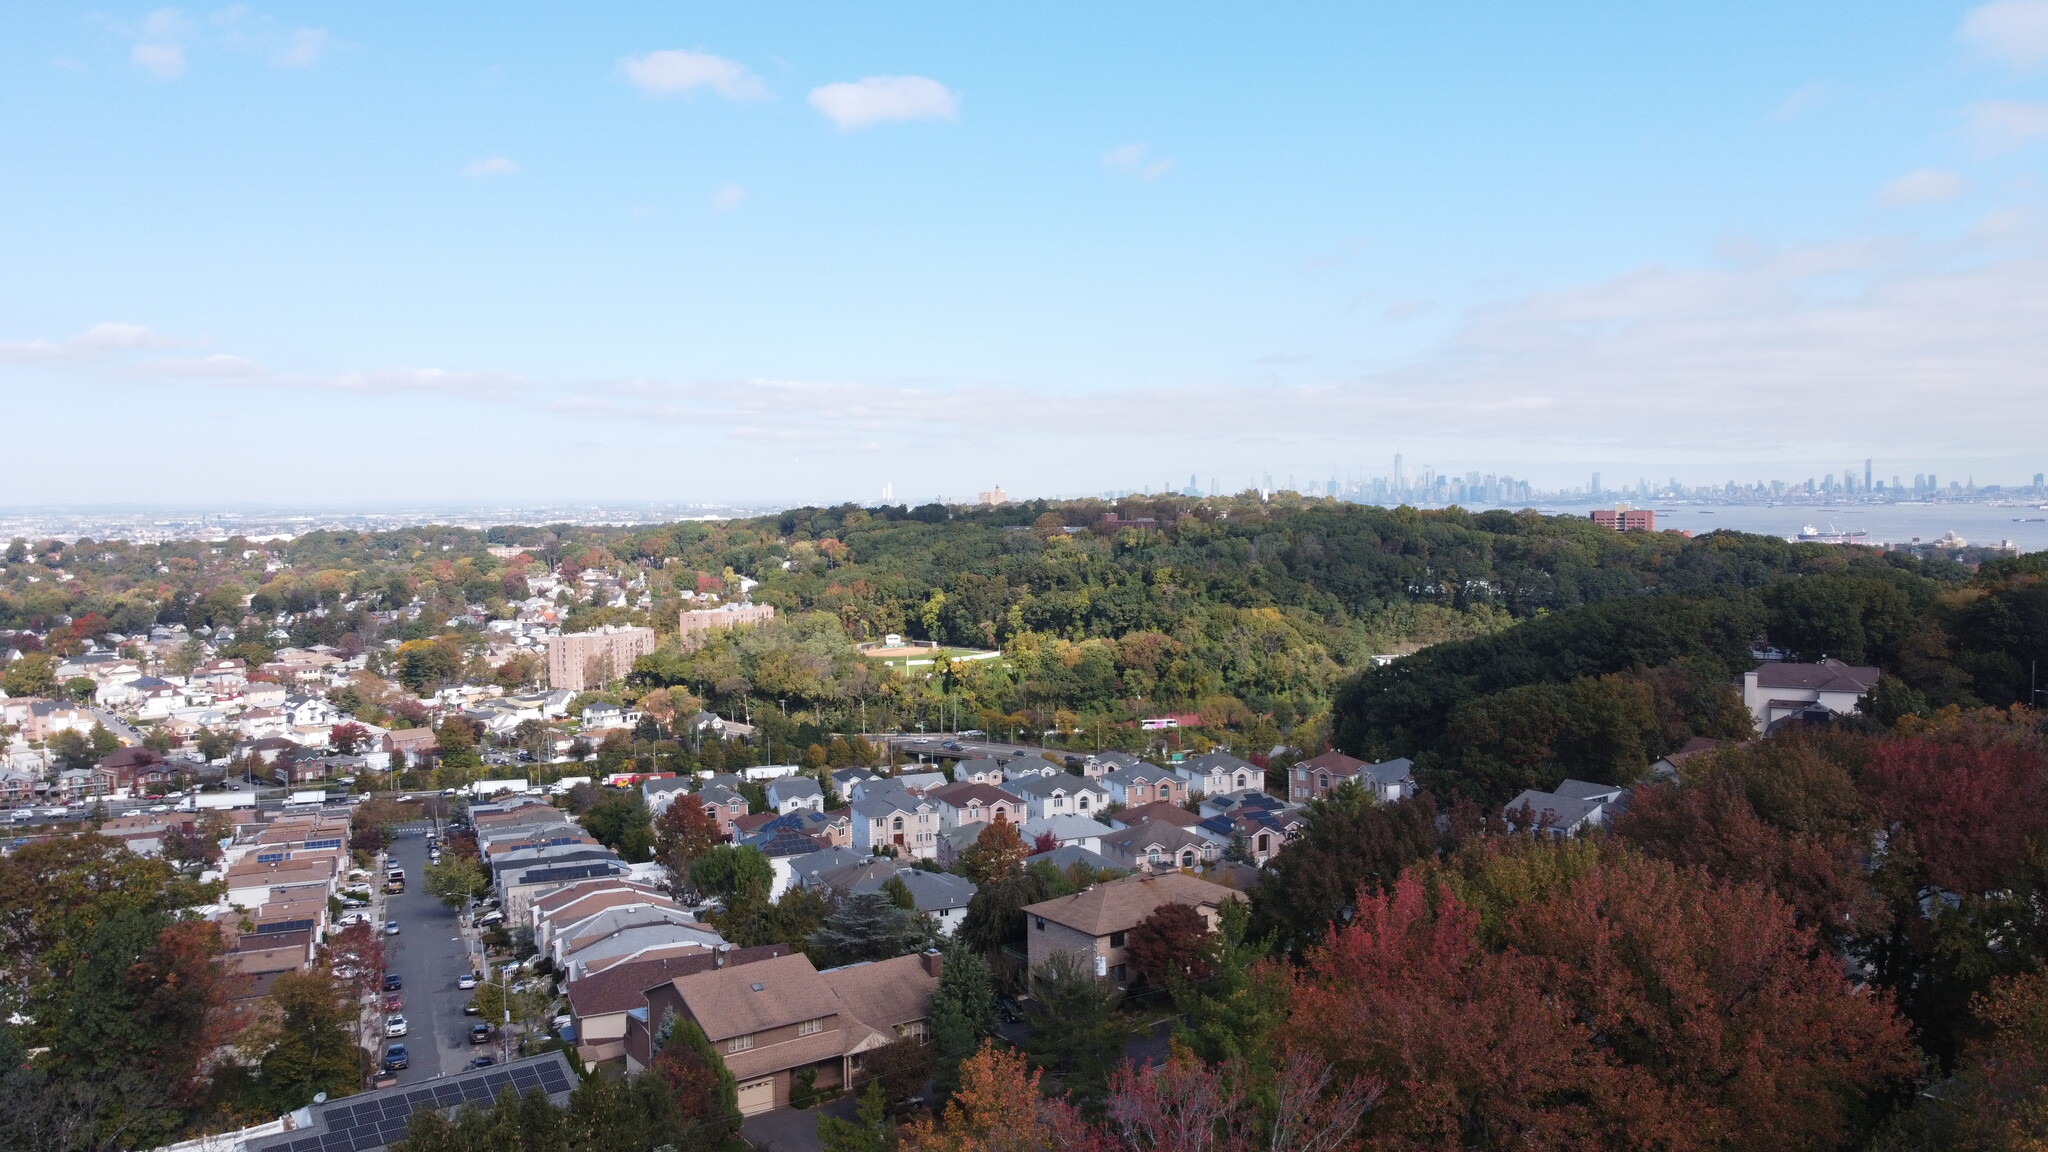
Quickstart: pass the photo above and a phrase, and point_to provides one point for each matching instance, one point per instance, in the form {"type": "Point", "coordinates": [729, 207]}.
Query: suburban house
{"type": "Point", "coordinates": [1666, 767]}
{"type": "Point", "coordinates": [772, 1019]}
{"type": "Point", "coordinates": [1025, 767]}
{"type": "Point", "coordinates": [723, 805]}
{"type": "Point", "coordinates": [1213, 773]}
{"type": "Point", "coordinates": [1144, 785]}
{"type": "Point", "coordinates": [1065, 831]}
{"type": "Point", "coordinates": [1092, 924]}
{"type": "Point", "coordinates": [1059, 795]}
{"type": "Point", "coordinates": [982, 770]}
{"type": "Point", "coordinates": [1573, 808]}
{"type": "Point", "coordinates": [412, 744]}
{"type": "Point", "coordinates": [599, 1004]}
{"type": "Point", "coordinates": [659, 792]}
{"type": "Point", "coordinates": [975, 804]}
{"type": "Point", "coordinates": [1777, 692]}
{"type": "Point", "coordinates": [794, 793]}
{"type": "Point", "coordinates": [897, 820]}
{"type": "Point", "coordinates": [1318, 776]}
{"type": "Point", "coordinates": [940, 895]}
{"type": "Point", "coordinates": [1157, 846]}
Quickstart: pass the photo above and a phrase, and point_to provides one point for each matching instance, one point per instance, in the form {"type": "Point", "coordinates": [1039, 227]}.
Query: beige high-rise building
{"type": "Point", "coordinates": [694, 623]}
{"type": "Point", "coordinates": [583, 660]}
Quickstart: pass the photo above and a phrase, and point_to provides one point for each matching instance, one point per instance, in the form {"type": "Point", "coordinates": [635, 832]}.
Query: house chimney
{"type": "Point", "coordinates": [934, 962]}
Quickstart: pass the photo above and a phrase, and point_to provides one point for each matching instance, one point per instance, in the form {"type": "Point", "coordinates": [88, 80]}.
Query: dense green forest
{"type": "Point", "coordinates": [1536, 646]}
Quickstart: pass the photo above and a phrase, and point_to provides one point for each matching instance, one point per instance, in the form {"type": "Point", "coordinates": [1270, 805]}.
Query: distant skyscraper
{"type": "Point", "coordinates": [1596, 484]}
{"type": "Point", "coordinates": [1400, 477]}
{"type": "Point", "coordinates": [1866, 473]}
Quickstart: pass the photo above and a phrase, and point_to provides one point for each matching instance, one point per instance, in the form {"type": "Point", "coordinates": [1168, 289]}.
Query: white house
{"type": "Point", "coordinates": [795, 794]}
{"type": "Point", "coordinates": [899, 820]}
{"type": "Point", "coordinates": [1060, 795]}
{"type": "Point", "coordinates": [1775, 692]}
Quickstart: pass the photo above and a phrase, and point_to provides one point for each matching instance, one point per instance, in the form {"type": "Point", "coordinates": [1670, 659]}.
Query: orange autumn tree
{"type": "Point", "coordinates": [997, 1108]}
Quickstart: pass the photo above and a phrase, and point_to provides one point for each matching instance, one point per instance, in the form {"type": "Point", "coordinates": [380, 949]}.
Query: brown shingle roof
{"type": "Point", "coordinates": [1826, 676]}
{"type": "Point", "coordinates": [624, 986]}
{"type": "Point", "coordinates": [1336, 763]}
{"type": "Point", "coordinates": [725, 1002]}
{"type": "Point", "coordinates": [1119, 905]}
{"type": "Point", "coordinates": [885, 993]}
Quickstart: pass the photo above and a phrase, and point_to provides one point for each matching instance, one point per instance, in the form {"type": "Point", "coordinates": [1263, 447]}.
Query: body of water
{"type": "Point", "coordinates": [1980, 524]}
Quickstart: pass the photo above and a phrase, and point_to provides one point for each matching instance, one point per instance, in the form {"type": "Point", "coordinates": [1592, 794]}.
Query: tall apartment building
{"type": "Point", "coordinates": [695, 623]}
{"type": "Point", "coordinates": [583, 660]}
{"type": "Point", "coordinates": [1626, 519]}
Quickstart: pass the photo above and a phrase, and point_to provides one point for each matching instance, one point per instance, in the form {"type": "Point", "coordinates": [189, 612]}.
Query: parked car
{"type": "Point", "coordinates": [393, 981]}
{"type": "Point", "coordinates": [469, 1008]}
{"type": "Point", "coordinates": [393, 1001]}
{"type": "Point", "coordinates": [479, 1033]}
{"type": "Point", "coordinates": [482, 1062]}
{"type": "Point", "coordinates": [466, 981]}
{"type": "Point", "coordinates": [391, 927]}
{"type": "Point", "coordinates": [395, 1057]}
{"type": "Point", "coordinates": [394, 1026]}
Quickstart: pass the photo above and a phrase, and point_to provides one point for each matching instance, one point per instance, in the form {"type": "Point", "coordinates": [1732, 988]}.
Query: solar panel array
{"type": "Point", "coordinates": [375, 1120]}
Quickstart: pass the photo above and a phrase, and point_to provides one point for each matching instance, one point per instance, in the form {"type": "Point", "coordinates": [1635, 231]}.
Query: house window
{"type": "Point", "coordinates": [1116, 939]}
{"type": "Point", "coordinates": [1039, 923]}
{"type": "Point", "coordinates": [1152, 856]}
{"type": "Point", "coordinates": [739, 1043]}
{"type": "Point", "coordinates": [814, 1024]}
{"type": "Point", "coordinates": [1081, 801]}
{"type": "Point", "coordinates": [1265, 842]}
{"type": "Point", "coordinates": [899, 824]}
{"type": "Point", "coordinates": [1322, 782]}
{"type": "Point", "coordinates": [1187, 858]}
{"type": "Point", "coordinates": [1121, 973]}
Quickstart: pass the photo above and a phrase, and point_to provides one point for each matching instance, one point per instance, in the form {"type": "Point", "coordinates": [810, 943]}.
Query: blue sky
{"type": "Point", "coordinates": [780, 252]}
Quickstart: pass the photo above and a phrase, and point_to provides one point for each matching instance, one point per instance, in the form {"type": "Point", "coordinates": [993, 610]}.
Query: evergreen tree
{"type": "Point", "coordinates": [868, 1131]}
{"type": "Point", "coordinates": [1074, 1030]}
{"type": "Point", "coordinates": [866, 926]}
{"type": "Point", "coordinates": [963, 1012]}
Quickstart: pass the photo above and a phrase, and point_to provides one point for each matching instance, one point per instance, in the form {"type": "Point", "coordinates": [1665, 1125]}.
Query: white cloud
{"type": "Point", "coordinates": [2012, 31]}
{"type": "Point", "coordinates": [877, 99]}
{"type": "Point", "coordinates": [490, 166]}
{"type": "Point", "coordinates": [96, 341]}
{"type": "Point", "coordinates": [673, 70]}
{"type": "Point", "coordinates": [1137, 160]}
{"type": "Point", "coordinates": [1803, 97]}
{"type": "Point", "coordinates": [728, 197]}
{"type": "Point", "coordinates": [302, 49]}
{"type": "Point", "coordinates": [165, 61]}
{"type": "Point", "coordinates": [2003, 125]}
{"type": "Point", "coordinates": [159, 44]}
{"type": "Point", "coordinates": [1923, 186]}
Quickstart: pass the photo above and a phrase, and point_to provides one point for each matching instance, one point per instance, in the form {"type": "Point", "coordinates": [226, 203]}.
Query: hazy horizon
{"type": "Point", "coordinates": [791, 253]}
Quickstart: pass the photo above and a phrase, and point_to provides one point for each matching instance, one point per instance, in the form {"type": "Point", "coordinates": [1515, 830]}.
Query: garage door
{"type": "Point", "coordinates": [757, 1096]}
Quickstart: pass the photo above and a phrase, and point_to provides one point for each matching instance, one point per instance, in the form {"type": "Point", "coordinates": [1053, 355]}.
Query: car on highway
{"type": "Point", "coordinates": [479, 1033]}
{"type": "Point", "coordinates": [160, 808]}
{"type": "Point", "coordinates": [395, 1026]}
{"type": "Point", "coordinates": [391, 927]}
{"type": "Point", "coordinates": [953, 746]}
{"type": "Point", "coordinates": [393, 981]}
{"type": "Point", "coordinates": [466, 981]}
{"type": "Point", "coordinates": [396, 1057]}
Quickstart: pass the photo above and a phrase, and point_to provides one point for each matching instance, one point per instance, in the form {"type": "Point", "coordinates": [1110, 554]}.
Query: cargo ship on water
{"type": "Point", "coordinates": [1812, 535]}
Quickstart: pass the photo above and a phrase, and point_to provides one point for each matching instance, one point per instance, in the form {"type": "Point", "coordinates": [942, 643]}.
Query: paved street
{"type": "Point", "coordinates": [428, 952]}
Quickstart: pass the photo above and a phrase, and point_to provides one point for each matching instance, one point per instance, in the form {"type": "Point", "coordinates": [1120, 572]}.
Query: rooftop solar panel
{"type": "Point", "coordinates": [373, 1121]}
